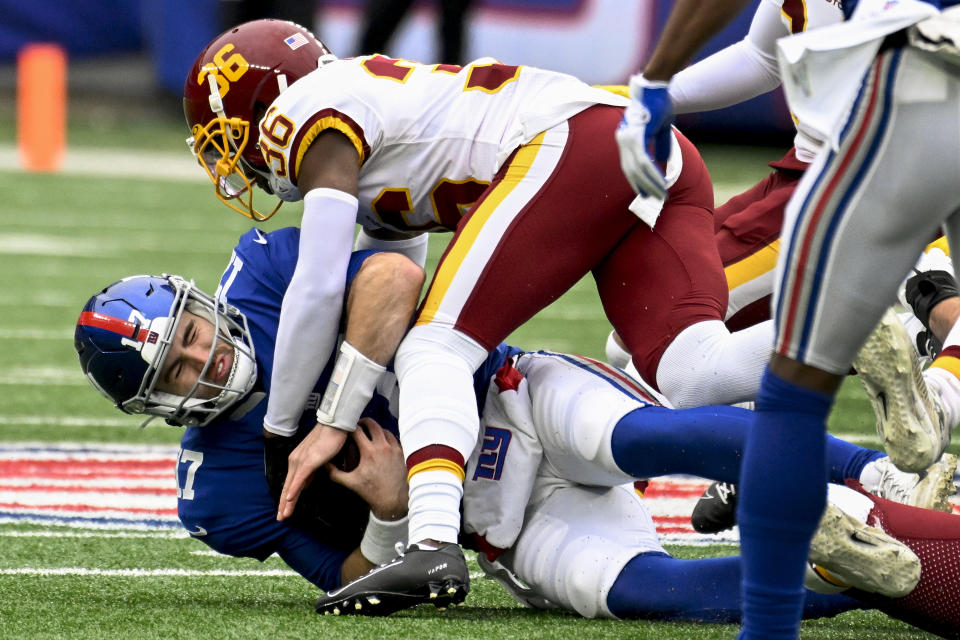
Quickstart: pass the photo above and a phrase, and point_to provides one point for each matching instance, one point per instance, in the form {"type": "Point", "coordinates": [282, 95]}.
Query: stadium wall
{"type": "Point", "coordinates": [600, 41]}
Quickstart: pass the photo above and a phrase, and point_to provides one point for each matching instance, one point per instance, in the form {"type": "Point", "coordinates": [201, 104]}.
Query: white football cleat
{"type": "Point", "coordinates": [928, 490]}
{"type": "Point", "coordinates": [857, 555]}
{"type": "Point", "coordinates": [910, 421]}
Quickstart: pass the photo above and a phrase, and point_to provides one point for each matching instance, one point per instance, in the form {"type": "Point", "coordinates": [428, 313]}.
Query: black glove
{"type": "Point", "coordinates": [329, 511]}
{"type": "Point", "coordinates": [927, 289]}
{"type": "Point", "coordinates": [928, 345]}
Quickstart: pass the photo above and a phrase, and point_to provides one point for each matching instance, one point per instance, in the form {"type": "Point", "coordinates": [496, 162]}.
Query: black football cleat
{"type": "Point", "coordinates": [716, 510]}
{"type": "Point", "coordinates": [439, 577]}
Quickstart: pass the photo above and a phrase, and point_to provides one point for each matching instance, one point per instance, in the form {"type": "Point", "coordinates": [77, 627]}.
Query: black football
{"type": "Point", "coordinates": [348, 457]}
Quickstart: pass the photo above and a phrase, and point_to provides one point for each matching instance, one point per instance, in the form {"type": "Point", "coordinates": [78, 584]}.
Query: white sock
{"type": "Point", "coordinates": [434, 506]}
{"type": "Point", "coordinates": [870, 476]}
{"type": "Point", "coordinates": [946, 385]}
{"type": "Point", "coordinates": [435, 368]}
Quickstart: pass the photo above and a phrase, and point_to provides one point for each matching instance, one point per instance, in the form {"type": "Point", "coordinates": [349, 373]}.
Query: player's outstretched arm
{"type": "Point", "coordinates": [644, 134]}
{"type": "Point", "coordinates": [741, 71]}
{"type": "Point", "coordinates": [312, 304]}
{"type": "Point", "coordinates": [380, 303]}
{"type": "Point", "coordinates": [690, 25]}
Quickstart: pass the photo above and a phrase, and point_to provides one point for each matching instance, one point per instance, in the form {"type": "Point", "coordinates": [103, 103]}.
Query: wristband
{"type": "Point", "coordinates": [380, 539]}
{"type": "Point", "coordinates": [351, 386]}
{"type": "Point", "coordinates": [638, 82]}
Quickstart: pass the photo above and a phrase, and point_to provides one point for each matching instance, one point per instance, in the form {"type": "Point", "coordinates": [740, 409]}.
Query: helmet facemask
{"type": "Point", "coordinates": [218, 147]}
{"type": "Point", "coordinates": [192, 409]}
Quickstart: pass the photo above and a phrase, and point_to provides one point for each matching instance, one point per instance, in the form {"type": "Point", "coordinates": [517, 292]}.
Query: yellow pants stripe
{"type": "Point", "coordinates": [753, 266]}
{"type": "Point", "coordinates": [458, 251]}
{"type": "Point", "coordinates": [949, 363]}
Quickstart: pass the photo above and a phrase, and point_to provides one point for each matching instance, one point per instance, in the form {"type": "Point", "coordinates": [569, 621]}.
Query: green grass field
{"type": "Point", "coordinates": [64, 236]}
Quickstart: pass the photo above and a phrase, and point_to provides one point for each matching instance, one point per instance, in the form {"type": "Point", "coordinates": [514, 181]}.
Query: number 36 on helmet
{"type": "Point", "coordinates": [227, 91]}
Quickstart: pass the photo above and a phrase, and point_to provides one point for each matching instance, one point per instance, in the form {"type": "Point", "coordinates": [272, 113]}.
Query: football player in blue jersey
{"type": "Point", "coordinates": [563, 438]}
{"type": "Point", "coordinates": [160, 346]}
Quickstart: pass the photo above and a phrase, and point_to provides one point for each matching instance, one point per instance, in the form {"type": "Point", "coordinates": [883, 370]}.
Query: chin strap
{"type": "Point", "coordinates": [216, 103]}
{"type": "Point", "coordinates": [247, 405]}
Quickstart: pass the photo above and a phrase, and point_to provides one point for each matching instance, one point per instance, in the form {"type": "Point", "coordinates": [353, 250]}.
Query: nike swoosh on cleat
{"type": "Point", "coordinates": [372, 572]}
{"type": "Point", "coordinates": [200, 532]}
{"type": "Point", "coordinates": [259, 239]}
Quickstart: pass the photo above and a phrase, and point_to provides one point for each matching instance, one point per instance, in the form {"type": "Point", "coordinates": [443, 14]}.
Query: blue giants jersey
{"type": "Point", "coordinates": [223, 496]}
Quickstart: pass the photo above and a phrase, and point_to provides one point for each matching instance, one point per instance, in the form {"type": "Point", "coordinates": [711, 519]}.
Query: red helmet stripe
{"type": "Point", "coordinates": [116, 325]}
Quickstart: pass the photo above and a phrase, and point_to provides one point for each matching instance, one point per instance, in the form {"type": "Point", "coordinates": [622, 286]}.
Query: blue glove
{"type": "Point", "coordinates": [644, 136]}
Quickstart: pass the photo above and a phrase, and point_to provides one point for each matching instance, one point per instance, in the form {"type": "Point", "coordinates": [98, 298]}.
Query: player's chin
{"type": "Point", "coordinates": [263, 183]}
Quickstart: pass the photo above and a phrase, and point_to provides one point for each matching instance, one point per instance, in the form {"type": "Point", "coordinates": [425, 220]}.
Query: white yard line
{"type": "Point", "coordinates": [147, 573]}
{"type": "Point", "coordinates": [69, 421]}
{"type": "Point", "coordinates": [36, 334]}
{"type": "Point", "coordinates": [118, 163]}
{"type": "Point", "coordinates": [179, 535]}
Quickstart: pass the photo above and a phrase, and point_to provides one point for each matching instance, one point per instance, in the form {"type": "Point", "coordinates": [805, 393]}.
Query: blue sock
{"type": "Point", "coordinates": [782, 496]}
{"type": "Point", "coordinates": [707, 442]}
{"type": "Point", "coordinates": [847, 460]}
{"type": "Point", "coordinates": [657, 586]}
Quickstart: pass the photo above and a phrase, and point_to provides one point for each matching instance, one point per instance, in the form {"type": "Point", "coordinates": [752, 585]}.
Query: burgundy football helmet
{"type": "Point", "coordinates": [228, 89]}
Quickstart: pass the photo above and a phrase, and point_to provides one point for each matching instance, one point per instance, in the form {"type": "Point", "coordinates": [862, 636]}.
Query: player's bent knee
{"type": "Point", "coordinates": [392, 273]}
{"type": "Point", "coordinates": [574, 561]}
{"type": "Point", "coordinates": [706, 364]}
{"type": "Point", "coordinates": [432, 340]}
{"type": "Point", "coordinates": [435, 368]}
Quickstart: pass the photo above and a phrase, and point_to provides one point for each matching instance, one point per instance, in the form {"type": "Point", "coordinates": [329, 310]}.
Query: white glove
{"type": "Point", "coordinates": [644, 136]}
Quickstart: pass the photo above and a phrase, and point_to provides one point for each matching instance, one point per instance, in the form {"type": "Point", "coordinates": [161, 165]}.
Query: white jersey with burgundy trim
{"type": "Point", "coordinates": [803, 15]}
{"type": "Point", "coordinates": [430, 138]}
{"type": "Point", "coordinates": [798, 16]}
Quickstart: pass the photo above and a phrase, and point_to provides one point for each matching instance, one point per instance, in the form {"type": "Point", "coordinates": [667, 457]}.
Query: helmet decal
{"type": "Point", "coordinates": [132, 333]}
{"type": "Point", "coordinates": [296, 41]}
{"type": "Point", "coordinates": [224, 71]}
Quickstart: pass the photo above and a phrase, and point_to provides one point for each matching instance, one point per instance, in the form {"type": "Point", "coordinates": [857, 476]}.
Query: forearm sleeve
{"type": "Point", "coordinates": [742, 71]}
{"type": "Point", "coordinates": [312, 305]}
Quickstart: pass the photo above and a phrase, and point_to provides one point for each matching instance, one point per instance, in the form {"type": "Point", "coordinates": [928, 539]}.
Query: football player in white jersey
{"type": "Point", "coordinates": [749, 224]}
{"type": "Point", "coordinates": [519, 163]}
{"type": "Point", "coordinates": [870, 87]}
